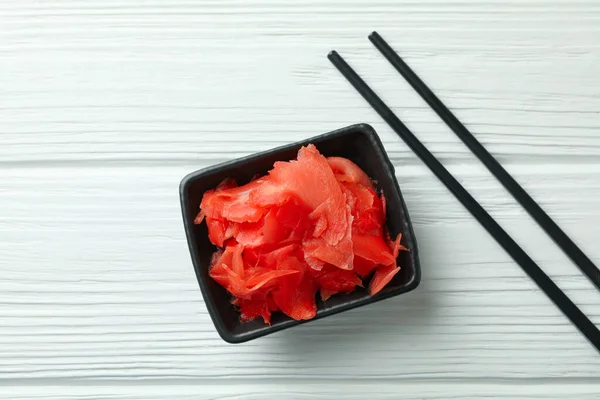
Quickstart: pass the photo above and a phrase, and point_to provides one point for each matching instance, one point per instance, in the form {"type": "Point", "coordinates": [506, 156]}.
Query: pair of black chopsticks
{"type": "Point", "coordinates": [571, 311]}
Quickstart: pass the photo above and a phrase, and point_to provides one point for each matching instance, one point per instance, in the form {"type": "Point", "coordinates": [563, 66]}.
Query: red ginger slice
{"type": "Point", "coordinates": [385, 273]}
{"type": "Point", "coordinates": [241, 281]}
{"type": "Point", "coordinates": [219, 231]}
{"type": "Point", "coordinates": [332, 280]}
{"type": "Point", "coordinates": [318, 252]}
{"type": "Point", "coordinates": [269, 257]}
{"type": "Point", "coordinates": [232, 203]}
{"type": "Point", "coordinates": [366, 210]}
{"type": "Point", "coordinates": [347, 171]}
{"type": "Point", "coordinates": [373, 248]}
{"type": "Point", "coordinates": [383, 276]}
{"type": "Point", "coordinates": [311, 180]}
{"type": "Point", "coordinates": [363, 267]}
{"type": "Point", "coordinates": [395, 245]}
{"type": "Point", "coordinates": [295, 294]}
{"type": "Point", "coordinates": [258, 305]}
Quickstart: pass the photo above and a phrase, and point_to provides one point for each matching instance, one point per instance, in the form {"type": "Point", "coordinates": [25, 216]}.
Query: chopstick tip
{"type": "Point", "coordinates": [374, 36]}
{"type": "Point", "coordinates": [333, 54]}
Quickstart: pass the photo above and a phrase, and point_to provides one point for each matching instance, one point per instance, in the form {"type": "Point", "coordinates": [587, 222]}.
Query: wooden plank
{"type": "Point", "coordinates": [80, 80]}
{"type": "Point", "coordinates": [311, 390]}
{"type": "Point", "coordinates": [97, 283]}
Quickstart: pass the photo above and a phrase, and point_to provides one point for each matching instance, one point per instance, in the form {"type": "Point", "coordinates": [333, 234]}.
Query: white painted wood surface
{"type": "Point", "coordinates": [106, 105]}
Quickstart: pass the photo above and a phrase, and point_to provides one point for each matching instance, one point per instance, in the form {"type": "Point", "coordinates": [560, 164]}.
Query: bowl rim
{"type": "Point", "coordinates": [235, 338]}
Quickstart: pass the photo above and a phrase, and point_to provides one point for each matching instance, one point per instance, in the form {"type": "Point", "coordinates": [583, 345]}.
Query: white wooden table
{"type": "Point", "coordinates": [106, 105]}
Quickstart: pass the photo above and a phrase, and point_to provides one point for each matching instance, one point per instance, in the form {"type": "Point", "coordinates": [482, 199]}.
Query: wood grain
{"type": "Point", "coordinates": [302, 391]}
{"type": "Point", "coordinates": [106, 105]}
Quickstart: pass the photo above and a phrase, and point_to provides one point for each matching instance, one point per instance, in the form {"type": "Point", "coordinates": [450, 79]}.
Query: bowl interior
{"type": "Point", "coordinates": [358, 143]}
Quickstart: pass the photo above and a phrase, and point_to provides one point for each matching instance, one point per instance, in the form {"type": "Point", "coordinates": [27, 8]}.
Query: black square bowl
{"type": "Point", "coordinates": [358, 143]}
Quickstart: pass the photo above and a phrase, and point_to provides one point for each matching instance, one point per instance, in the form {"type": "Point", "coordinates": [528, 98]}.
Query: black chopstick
{"type": "Point", "coordinates": [537, 213]}
{"type": "Point", "coordinates": [571, 311]}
